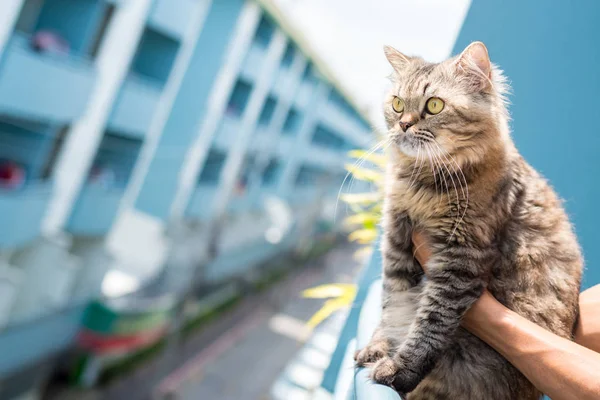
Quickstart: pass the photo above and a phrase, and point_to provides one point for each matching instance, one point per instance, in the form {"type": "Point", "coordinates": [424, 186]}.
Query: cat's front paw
{"type": "Point", "coordinates": [384, 371]}
{"type": "Point", "coordinates": [393, 373]}
{"type": "Point", "coordinates": [372, 353]}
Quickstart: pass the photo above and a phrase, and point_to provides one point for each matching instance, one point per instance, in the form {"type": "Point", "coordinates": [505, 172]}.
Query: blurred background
{"type": "Point", "coordinates": [174, 174]}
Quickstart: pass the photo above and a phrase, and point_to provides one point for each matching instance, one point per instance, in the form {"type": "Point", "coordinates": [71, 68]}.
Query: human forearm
{"type": "Point", "coordinates": [558, 367]}
{"type": "Point", "coordinates": [588, 328]}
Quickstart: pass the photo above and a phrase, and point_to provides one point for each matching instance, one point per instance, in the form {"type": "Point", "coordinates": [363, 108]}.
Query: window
{"type": "Point", "coordinates": [212, 167]}
{"type": "Point", "coordinates": [264, 31]}
{"type": "Point", "coordinates": [292, 122]}
{"type": "Point", "coordinates": [309, 74]}
{"type": "Point", "coordinates": [288, 56]}
{"type": "Point", "coordinates": [74, 27]}
{"type": "Point", "coordinates": [267, 112]}
{"type": "Point", "coordinates": [364, 124]}
{"type": "Point", "coordinates": [155, 56]}
{"type": "Point", "coordinates": [239, 98]}
{"type": "Point", "coordinates": [107, 15]}
{"type": "Point", "coordinates": [246, 170]}
{"type": "Point", "coordinates": [55, 151]}
{"type": "Point", "coordinates": [325, 137]}
{"type": "Point", "coordinates": [336, 98]}
{"type": "Point", "coordinates": [309, 175]}
{"type": "Point", "coordinates": [29, 15]}
{"type": "Point", "coordinates": [24, 149]}
{"type": "Point", "coordinates": [115, 159]}
{"type": "Point", "coordinates": [271, 173]}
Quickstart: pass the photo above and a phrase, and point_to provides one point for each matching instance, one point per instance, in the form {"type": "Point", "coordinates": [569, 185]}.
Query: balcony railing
{"type": "Point", "coordinates": [22, 211]}
{"type": "Point", "coordinates": [134, 109]}
{"type": "Point", "coordinates": [44, 87]}
{"type": "Point", "coordinates": [304, 94]}
{"type": "Point", "coordinates": [200, 205]}
{"type": "Point", "coordinates": [172, 17]}
{"type": "Point", "coordinates": [227, 132]}
{"type": "Point", "coordinates": [254, 61]}
{"type": "Point", "coordinates": [95, 210]}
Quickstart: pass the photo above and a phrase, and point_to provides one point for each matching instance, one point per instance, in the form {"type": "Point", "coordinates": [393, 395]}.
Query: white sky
{"type": "Point", "coordinates": [350, 34]}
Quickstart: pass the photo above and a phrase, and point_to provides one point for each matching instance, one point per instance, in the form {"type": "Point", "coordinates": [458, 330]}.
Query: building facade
{"type": "Point", "coordinates": [142, 138]}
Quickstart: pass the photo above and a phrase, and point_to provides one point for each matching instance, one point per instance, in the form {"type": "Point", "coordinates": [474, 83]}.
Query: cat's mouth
{"type": "Point", "coordinates": [412, 143]}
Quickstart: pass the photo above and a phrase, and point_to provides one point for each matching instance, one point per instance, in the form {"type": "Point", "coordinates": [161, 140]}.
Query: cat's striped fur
{"type": "Point", "coordinates": [493, 222]}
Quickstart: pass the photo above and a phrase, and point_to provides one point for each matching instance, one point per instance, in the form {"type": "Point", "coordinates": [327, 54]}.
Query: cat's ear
{"type": "Point", "coordinates": [398, 60]}
{"type": "Point", "coordinates": [475, 61]}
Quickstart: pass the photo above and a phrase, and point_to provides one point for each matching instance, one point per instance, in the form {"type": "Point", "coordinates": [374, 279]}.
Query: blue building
{"type": "Point", "coordinates": [138, 136]}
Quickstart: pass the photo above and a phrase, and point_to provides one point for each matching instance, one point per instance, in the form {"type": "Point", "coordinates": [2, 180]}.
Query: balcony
{"type": "Point", "coordinates": [135, 106]}
{"type": "Point", "coordinates": [43, 87]}
{"type": "Point", "coordinates": [304, 94]}
{"type": "Point", "coordinates": [334, 116]}
{"type": "Point", "coordinates": [254, 61]}
{"type": "Point", "coordinates": [201, 203]}
{"type": "Point", "coordinates": [22, 211]}
{"type": "Point", "coordinates": [95, 210]}
{"type": "Point", "coordinates": [283, 80]}
{"type": "Point", "coordinates": [44, 337]}
{"type": "Point", "coordinates": [227, 132]}
{"type": "Point", "coordinates": [172, 17]}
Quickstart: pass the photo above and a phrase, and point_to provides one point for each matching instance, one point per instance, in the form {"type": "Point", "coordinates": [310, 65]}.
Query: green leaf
{"type": "Point", "coordinates": [363, 199]}
{"type": "Point", "coordinates": [365, 174]}
{"type": "Point", "coordinates": [340, 295]}
{"type": "Point", "coordinates": [378, 159]}
{"type": "Point", "coordinates": [363, 218]}
{"type": "Point", "coordinates": [363, 236]}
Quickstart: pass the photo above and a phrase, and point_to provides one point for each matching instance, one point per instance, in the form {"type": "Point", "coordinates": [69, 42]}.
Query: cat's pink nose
{"type": "Point", "coordinates": [408, 119]}
{"type": "Point", "coordinates": [405, 125]}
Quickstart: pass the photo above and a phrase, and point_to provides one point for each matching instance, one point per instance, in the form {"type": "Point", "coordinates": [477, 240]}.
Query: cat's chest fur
{"type": "Point", "coordinates": [426, 208]}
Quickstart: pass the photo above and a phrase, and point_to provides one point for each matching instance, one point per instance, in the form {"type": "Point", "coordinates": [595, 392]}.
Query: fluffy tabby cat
{"type": "Point", "coordinates": [493, 222]}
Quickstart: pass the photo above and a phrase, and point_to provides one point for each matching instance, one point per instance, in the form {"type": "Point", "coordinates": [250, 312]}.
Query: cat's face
{"type": "Point", "coordinates": [455, 107]}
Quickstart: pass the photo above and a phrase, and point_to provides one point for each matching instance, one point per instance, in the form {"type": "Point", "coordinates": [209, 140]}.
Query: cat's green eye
{"type": "Point", "coordinates": [398, 104]}
{"type": "Point", "coordinates": [435, 105]}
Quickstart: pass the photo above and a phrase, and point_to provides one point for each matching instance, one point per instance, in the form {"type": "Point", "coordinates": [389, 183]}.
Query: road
{"type": "Point", "coordinates": [240, 355]}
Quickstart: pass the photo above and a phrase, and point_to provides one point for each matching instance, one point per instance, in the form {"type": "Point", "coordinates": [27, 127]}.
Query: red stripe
{"type": "Point", "coordinates": [98, 343]}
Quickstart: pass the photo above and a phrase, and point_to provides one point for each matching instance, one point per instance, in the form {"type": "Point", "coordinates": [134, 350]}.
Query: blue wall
{"type": "Point", "coordinates": [549, 50]}
{"type": "Point", "coordinates": [189, 108]}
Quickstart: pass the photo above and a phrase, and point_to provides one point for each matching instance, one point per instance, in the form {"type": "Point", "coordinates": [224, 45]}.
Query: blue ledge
{"type": "Point", "coordinates": [43, 338]}
{"type": "Point", "coordinates": [253, 62]}
{"type": "Point", "coordinates": [227, 132]}
{"type": "Point", "coordinates": [362, 319]}
{"type": "Point", "coordinates": [95, 210]}
{"type": "Point", "coordinates": [361, 386]}
{"type": "Point", "coordinates": [282, 82]}
{"type": "Point", "coordinates": [22, 211]}
{"type": "Point", "coordinates": [135, 106]}
{"type": "Point", "coordinates": [172, 17]}
{"type": "Point", "coordinates": [43, 87]}
{"type": "Point", "coordinates": [304, 95]}
{"type": "Point", "coordinates": [200, 205]}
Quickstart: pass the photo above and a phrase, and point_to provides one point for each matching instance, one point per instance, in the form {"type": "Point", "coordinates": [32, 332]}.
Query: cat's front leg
{"type": "Point", "coordinates": [400, 272]}
{"type": "Point", "coordinates": [456, 279]}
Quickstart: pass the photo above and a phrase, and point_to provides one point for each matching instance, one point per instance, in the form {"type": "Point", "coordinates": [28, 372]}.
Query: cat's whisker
{"type": "Point", "coordinates": [414, 169]}
{"type": "Point", "coordinates": [462, 216]}
{"type": "Point", "coordinates": [445, 164]}
{"type": "Point", "coordinates": [431, 165]}
{"type": "Point", "coordinates": [456, 168]}
{"type": "Point", "coordinates": [414, 176]}
{"type": "Point", "coordinates": [420, 168]}
{"type": "Point", "coordinates": [371, 151]}
{"type": "Point", "coordinates": [439, 164]}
